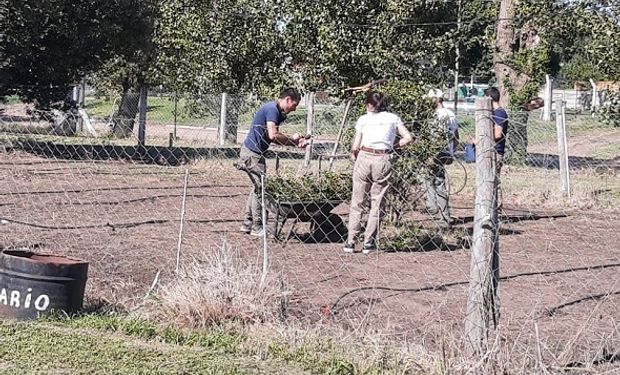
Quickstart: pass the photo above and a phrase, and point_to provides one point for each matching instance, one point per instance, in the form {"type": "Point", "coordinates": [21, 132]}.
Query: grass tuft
{"type": "Point", "coordinates": [220, 288]}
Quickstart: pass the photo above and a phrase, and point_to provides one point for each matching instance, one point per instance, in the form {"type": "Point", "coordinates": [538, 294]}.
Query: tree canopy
{"type": "Point", "coordinates": [246, 45]}
{"type": "Point", "coordinates": [48, 45]}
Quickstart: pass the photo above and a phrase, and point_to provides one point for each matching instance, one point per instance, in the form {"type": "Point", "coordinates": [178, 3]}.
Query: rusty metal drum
{"type": "Point", "coordinates": [34, 285]}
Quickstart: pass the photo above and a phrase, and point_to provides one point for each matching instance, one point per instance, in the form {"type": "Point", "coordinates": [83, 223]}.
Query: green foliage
{"type": "Point", "coordinates": [310, 188]}
{"type": "Point", "coordinates": [581, 69]}
{"type": "Point", "coordinates": [229, 46]}
{"type": "Point", "coordinates": [413, 238]}
{"type": "Point", "coordinates": [477, 38]}
{"type": "Point", "coordinates": [46, 46]}
{"type": "Point", "coordinates": [334, 44]}
{"type": "Point", "coordinates": [610, 112]}
{"type": "Point", "coordinates": [407, 100]}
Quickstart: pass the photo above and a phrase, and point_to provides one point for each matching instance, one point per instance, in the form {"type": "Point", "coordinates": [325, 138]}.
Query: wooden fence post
{"type": "Point", "coordinates": [142, 106]}
{"type": "Point", "coordinates": [309, 127]}
{"type": "Point", "coordinates": [483, 303]}
{"type": "Point", "coordinates": [562, 146]}
{"type": "Point", "coordinates": [222, 129]}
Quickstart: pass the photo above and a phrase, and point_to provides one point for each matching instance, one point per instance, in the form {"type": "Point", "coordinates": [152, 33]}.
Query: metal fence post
{"type": "Point", "coordinates": [562, 147]}
{"type": "Point", "coordinates": [482, 303]}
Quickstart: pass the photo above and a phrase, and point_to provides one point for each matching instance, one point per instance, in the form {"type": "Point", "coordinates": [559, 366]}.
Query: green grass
{"type": "Point", "coordinates": [159, 109]}
{"type": "Point", "coordinates": [162, 109]}
{"type": "Point", "coordinates": [607, 152]}
{"type": "Point", "coordinates": [518, 180]}
{"type": "Point", "coordinates": [538, 130]}
{"type": "Point", "coordinates": [98, 343]}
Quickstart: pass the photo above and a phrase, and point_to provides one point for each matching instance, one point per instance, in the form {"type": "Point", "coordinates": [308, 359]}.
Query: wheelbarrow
{"type": "Point", "coordinates": [317, 213]}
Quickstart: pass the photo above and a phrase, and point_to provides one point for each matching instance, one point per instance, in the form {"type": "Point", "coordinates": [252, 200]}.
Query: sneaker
{"type": "Point", "coordinates": [349, 248]}
{"type": "Point", "coordinates": [369, 248]}
{"type": "Point", "coordinates": [245, 228]}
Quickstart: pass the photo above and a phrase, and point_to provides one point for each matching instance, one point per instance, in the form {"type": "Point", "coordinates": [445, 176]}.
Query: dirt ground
{"type": "Point", "coordinates": [560, 268]}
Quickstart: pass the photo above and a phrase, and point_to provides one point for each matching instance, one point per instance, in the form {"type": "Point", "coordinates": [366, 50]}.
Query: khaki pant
{"type": "Point", "coordinates": [371, 180]}
{"type": "Point", "coordinates": [254, 162]}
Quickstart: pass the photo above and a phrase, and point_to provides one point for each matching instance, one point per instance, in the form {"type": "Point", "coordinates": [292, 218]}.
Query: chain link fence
{"type": "Point", "coordinates": [139, 212]}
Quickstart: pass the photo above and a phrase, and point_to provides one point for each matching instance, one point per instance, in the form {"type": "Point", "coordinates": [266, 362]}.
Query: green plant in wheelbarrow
{"type": "Point", "coordinates": [310, 188]}
{"type": "Point", "coordinates": [309, 198]}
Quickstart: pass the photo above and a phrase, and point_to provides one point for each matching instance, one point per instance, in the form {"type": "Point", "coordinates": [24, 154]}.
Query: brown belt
{"type": "Point", "coordinates": [374, 151]}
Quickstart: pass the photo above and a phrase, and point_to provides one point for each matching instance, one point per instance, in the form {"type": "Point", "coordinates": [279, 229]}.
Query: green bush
{"type": "Point", "coordinates": [407, 100]}
{"type": "Point", "coordinates": [610, 112]}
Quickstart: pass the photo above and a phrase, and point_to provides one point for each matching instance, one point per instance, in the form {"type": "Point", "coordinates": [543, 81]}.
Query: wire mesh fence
{"type": "Point", "coordinates": [131, 211]}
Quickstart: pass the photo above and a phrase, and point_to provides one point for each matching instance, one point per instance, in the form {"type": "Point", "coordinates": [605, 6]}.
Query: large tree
{"type": "Point", "coordinates": [532, 41]}
{"type": "Point", "coordinates": [217, 46]}
{"type": "Point", "coordinates": [333, 44]}
{"type": "Point", "coordinates": [48, 45]}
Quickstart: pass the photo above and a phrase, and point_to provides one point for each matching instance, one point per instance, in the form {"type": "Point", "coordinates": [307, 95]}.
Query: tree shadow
{"type": "Point", "coordinates": [550, 161]}
{"type": "Point", "coordinates": [605, 358]}
{"type": "Point", "coordinates": [331, 229]}
{"type": "Point", "coordinates": [167, 156]}
{"type": "Point", "coordinates": [507, 218]}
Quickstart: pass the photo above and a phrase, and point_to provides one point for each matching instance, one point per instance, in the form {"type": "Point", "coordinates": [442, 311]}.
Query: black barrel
{"type": "Point", "coordinates": [33, 285]}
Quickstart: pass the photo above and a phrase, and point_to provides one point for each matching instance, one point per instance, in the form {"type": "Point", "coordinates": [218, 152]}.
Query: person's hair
{"type": "Point", "coordinates": [290, 92]}
{"type": "Point", "coordinates": [493, 93]}
{"type": "Point", "coordinates": [377, 100]}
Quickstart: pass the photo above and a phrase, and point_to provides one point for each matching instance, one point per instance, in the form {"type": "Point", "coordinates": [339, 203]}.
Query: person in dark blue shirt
{"type": "Point", "coordinates": [499, 116]}
{"type": "Point", "coordinates": [265, 129]}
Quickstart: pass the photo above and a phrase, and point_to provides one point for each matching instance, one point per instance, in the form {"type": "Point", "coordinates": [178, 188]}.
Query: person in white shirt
{"type": "Point", "coordinates": [435, 182]}
{"type": "Point", "coordinates": [377, 133]}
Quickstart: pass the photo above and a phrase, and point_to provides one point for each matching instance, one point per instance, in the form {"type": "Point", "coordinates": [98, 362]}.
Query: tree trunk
{"type": "Point", "coordinates": [505, 48]}
{"type": "Point", "coordinates": [125, 117]}
{"type": "Point", "coordinates": [233, 108]}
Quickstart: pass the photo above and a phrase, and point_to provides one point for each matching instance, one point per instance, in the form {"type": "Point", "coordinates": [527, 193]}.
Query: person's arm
{"type": "Point", "coordinates": [498, 132]}
{"type": "Point", "coordinates": [275, 136]}
{"type": "Point", "coordinates": [405, 136]}
{"type": "Point", "coordinates": [357, 143]}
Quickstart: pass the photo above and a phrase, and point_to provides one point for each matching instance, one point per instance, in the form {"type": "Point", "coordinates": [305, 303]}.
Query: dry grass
{"type": "Point", "coordinates": [219, 287]}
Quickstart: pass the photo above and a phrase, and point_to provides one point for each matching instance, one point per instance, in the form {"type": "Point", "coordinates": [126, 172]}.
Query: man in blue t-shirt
{"type": "Point", "coordinates": [500, 129]}
{"type": "Point", "coordinates": [265, 129]}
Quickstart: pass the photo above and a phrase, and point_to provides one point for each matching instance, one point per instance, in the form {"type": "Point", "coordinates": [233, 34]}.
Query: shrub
{"type": "Point", "coordinates": [610, 112]}
{"type": "Point", "coordinates": [408, 100]}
